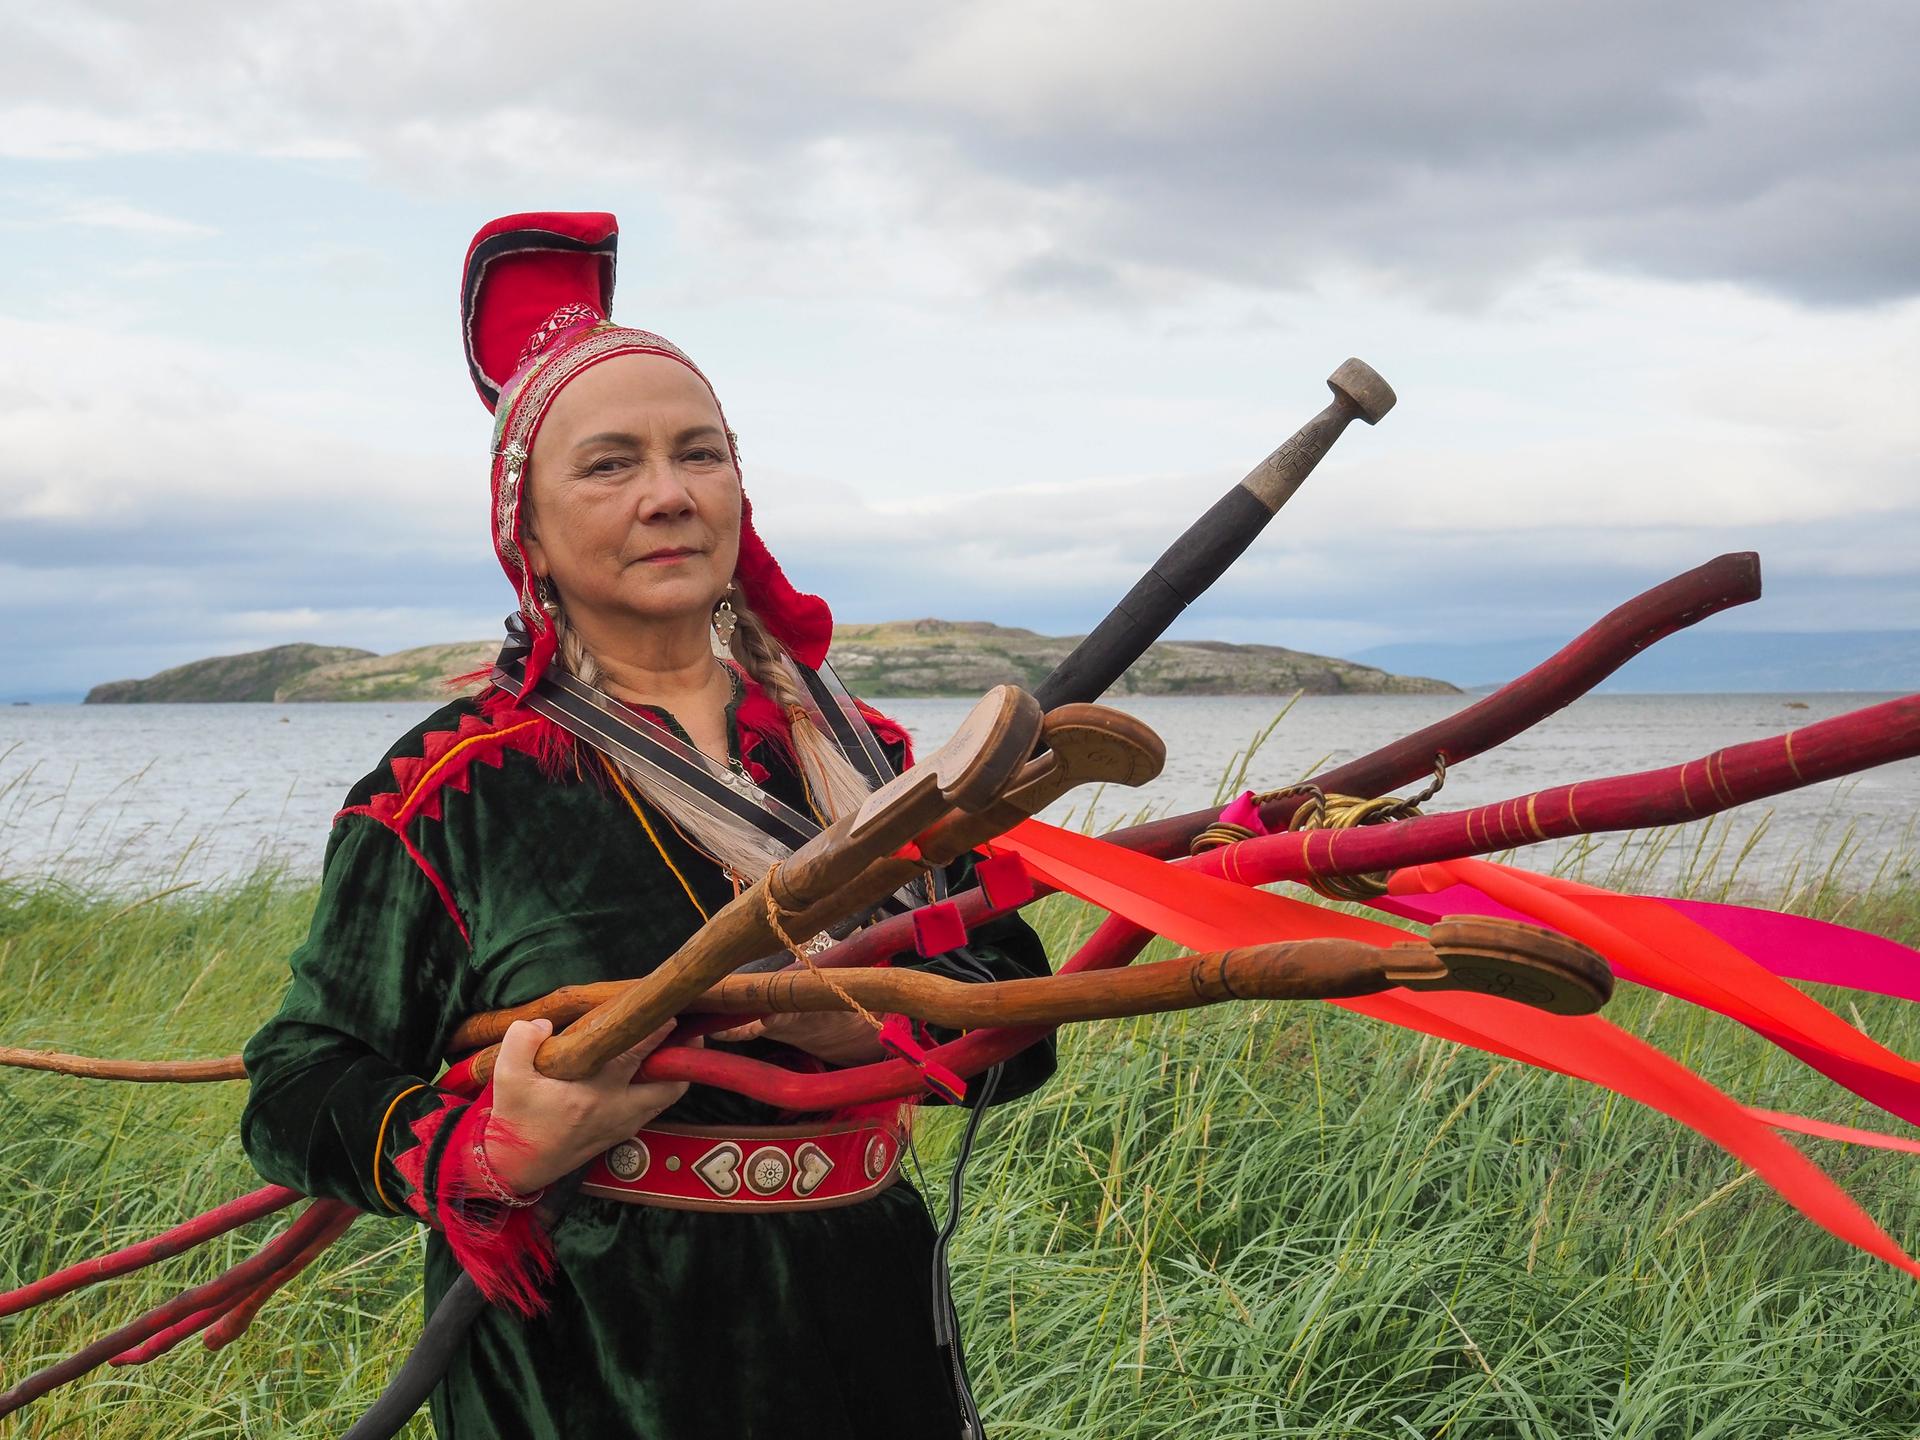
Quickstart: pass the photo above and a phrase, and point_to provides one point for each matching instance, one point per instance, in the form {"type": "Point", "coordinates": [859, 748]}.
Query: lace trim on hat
{"type": "Point", "coordinates": [530, 402]}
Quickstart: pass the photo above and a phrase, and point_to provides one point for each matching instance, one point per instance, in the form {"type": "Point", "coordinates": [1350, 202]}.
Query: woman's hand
{"type": "Point", "coordinates": [838, 1037]}
{"type": "Point", "coordinates": [543, 1128]}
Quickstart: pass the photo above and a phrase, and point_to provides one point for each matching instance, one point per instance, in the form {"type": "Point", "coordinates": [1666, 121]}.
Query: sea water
{"type": "Point", "coordinates": [138, 796]}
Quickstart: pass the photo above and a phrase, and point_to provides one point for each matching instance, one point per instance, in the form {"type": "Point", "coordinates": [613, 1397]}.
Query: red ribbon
{"type": "Point", "coordinates": [1204, 912]}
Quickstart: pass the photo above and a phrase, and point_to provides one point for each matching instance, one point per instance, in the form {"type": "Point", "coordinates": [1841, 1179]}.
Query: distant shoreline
{"type": "Point", "coordinates": [930, 659]}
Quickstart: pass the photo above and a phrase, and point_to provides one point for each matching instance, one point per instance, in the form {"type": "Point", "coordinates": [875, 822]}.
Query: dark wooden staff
{"type": "Point", "coordinates": [1552, 685]}
{"type": "Point", "coordinates": [1213, 542]}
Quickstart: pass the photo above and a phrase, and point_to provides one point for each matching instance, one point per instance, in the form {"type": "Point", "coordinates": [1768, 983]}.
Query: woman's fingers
{"type": "Point", "coordinates": [619, 1070]}
{"type": "Point", "coordinates": [740, 1034]}
{"type": "Point", "coordinates": [517, 1049]}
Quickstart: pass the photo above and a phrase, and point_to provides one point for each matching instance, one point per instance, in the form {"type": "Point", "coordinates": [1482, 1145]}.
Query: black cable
{"type": "Point", "coordinates": [946, 1319]}
{"type": "Point", "coordinates": [444, 1333]}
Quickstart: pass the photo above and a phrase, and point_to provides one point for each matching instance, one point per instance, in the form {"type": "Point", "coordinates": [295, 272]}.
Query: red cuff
{"type": "Point", "coordinates": [506, 1250]}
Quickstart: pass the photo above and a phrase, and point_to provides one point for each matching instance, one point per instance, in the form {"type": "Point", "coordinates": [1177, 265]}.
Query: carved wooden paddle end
{"type": "Point", "coordinates": [1525, 963]}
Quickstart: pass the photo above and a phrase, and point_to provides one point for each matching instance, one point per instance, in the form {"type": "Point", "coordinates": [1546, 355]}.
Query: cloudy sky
{"type": "Point", "coordinates": [999, 295]}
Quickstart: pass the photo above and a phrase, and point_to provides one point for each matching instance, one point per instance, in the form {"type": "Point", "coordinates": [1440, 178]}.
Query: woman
{"type": "Point", "coordinates": [717, 1276]}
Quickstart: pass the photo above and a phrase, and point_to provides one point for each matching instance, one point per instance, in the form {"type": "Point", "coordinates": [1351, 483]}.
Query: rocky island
{"type": "Point", "coordinates": [257, 675]}
{"type": "Point", "coordinates": [894, 658]}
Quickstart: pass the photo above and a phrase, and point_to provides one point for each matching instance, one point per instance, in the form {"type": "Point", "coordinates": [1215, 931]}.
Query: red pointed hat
{"type": "Point", "coordinates": [534, 302]}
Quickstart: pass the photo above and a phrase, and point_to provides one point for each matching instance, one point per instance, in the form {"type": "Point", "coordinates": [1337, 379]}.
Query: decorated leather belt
{"type": "Point", "coordinates": [747, 1167]}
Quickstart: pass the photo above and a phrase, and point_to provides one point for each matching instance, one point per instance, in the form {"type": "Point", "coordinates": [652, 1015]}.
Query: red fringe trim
{"type": "Point", "coordinates": [507, 1251]}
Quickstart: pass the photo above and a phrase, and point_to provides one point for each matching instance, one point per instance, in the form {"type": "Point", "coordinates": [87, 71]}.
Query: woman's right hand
{"type": "Point", "coordinates": [543, 1128]}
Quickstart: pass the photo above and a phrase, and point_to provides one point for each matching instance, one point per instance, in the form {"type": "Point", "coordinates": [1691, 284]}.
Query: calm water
{"type": "Point", "coordinates": [141, 794]}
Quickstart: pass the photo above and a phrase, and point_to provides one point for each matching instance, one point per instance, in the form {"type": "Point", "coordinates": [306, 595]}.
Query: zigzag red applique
{"type": "Point", "coordinates": [446, 762]}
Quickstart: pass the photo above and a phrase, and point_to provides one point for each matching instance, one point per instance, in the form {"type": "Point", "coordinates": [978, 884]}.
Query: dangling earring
{"type": "Point", "coordinates": [545, 594]}
{"type": "Point", "coordinates": [724, 619]}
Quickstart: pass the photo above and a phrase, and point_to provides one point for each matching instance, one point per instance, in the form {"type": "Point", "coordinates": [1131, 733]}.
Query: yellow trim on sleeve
{"type": "Point", "coordinates": [380, 1143]}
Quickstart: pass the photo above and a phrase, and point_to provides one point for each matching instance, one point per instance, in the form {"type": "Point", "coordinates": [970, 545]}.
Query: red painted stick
{"type": "Point", "coordinates": [1737, 775]}
{"type": "Point", "coordinates": [238, 1280]}
{"type": "Point", "coordinates": [237, 1312]}
{"type": "Point", "coordinates": [171, 1336]}
{"type": "Point", "coordinates": [1550, 686]}
{"type": "Point", "coordinates": [234, 1323]}
{"type": "Point", "coordinates": [231, 1316]}
{"type": "Point", "coordinates": [230, 1216]}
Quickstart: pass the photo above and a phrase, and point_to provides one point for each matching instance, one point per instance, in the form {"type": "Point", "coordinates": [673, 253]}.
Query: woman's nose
{"type": "Point", "coordinates": [664, 493]}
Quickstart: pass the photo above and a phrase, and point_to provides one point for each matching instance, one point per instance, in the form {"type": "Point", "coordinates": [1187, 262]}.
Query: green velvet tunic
{"type": "Point", "coordinates": [662, 1323]}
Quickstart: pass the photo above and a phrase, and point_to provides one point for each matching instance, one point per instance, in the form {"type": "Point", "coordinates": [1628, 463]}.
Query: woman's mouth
{"type": "Point", "coordinates": [666, 557]}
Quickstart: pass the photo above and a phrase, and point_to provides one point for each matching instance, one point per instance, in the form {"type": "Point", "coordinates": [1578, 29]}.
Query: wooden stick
{"type": "Point", "coordinates": [808, 891]}
{"type": "Point", "coordinates": [176, 1072]}
{"type": "Point", "coordinates": [1318, 969]}
{"type": "Point", "coordinates": [1292, 970]}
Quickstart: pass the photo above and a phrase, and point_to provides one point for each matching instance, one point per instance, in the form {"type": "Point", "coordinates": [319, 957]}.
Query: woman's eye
{"type": "Point", "coordinates": [704, 456]}
{"type": "Point", "coordinates": [607, 466]}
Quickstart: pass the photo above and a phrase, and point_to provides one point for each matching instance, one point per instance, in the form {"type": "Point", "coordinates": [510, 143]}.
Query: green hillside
{"type": "Point", "coordinates": [256, 675]}
{"type": "Point", "coordinates": [417, 674]}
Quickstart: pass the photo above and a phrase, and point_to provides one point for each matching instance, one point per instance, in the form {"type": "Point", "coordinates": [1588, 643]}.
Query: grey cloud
{"type": "Point", "coordinates": [1770, 143]}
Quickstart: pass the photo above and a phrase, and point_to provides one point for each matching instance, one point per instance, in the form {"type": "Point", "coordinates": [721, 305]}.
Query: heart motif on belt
{"type": "Point", "coordinates": [811, 1166]}
{"type": "Point", "coordinates": [720, 1168]}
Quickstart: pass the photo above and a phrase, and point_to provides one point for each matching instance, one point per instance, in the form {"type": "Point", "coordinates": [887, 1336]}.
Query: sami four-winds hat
{"type": "Point", "coordinates": [534, 305]}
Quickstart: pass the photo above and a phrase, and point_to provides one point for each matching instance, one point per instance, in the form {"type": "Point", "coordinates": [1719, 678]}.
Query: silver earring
{"type": "Point", "coordinates": [724, 619]}
{"type": "Point", "coordinates": [545, 594]}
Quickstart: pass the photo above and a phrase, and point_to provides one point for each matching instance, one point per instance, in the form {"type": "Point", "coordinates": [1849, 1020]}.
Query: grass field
{"type": "Point", "coordinates": [1260, 1221]}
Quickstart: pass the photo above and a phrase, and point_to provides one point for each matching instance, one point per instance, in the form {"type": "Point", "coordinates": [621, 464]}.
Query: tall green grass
{"type": "Point", "coordinates": [1248, 1221]}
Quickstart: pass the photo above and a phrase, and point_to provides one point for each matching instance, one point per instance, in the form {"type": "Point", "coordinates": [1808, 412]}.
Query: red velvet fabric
{"type": "Point", "coordinates": [520, 271]}
{"type": "Point", "coordinates": [938, 928]}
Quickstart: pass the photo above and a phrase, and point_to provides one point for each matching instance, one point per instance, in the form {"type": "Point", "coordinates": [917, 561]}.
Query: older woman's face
{"type": "Point", "coordinates": [634, 508]}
